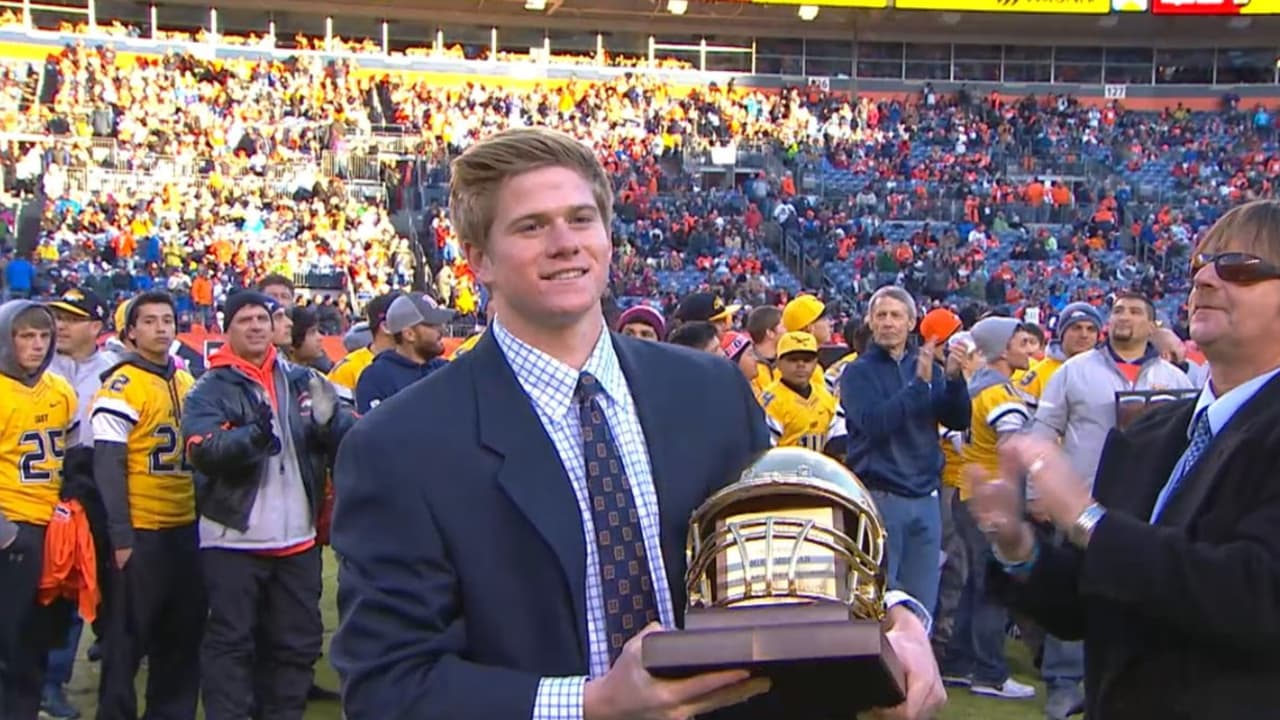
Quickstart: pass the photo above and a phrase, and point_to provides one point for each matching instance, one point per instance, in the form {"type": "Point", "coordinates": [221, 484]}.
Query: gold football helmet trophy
{"type": "Point", "coordinates": [797, 527]}
{"type": "Point", "coordinates": [786, 578]}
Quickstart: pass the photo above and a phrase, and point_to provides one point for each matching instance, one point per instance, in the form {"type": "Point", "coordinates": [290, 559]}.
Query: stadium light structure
{"type": "Point", "coordinates": [807, 13]}
{"type": "Point", "coordinates": [677, 7]}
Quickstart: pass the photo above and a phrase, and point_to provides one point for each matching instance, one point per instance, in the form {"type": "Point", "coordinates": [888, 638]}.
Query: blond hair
{"type": "Point", "coordinates": [478, 175]}
{"type": "Point", "coordinates": [1253, 227]}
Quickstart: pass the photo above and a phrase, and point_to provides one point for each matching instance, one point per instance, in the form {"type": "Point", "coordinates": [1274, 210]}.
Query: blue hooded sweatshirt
{"type": "Point", "coordinates": [893, 419]}
{"type": "Point", "coordinates": [389, 373]}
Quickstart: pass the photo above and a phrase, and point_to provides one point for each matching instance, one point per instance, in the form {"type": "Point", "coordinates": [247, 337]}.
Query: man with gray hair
{"type": "Point", "coordinates": [894, 397]}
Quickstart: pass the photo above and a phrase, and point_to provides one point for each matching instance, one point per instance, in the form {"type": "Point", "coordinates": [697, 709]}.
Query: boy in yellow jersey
{"type": "Point", "coordinates": [807, 313]}
{"type": "Point", "coordinates": [154, 601]}
{"type": "Point", "coordinates": [799, 411]}
{"type": "Point", "coordinates": [976, 655]}
{"type": "Point", "coordinates": [346, 373]}
{"type": "Point", "coordinates": [37, 420]}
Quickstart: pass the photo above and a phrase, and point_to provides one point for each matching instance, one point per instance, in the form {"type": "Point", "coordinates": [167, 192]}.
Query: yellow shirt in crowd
{"type": "Point", "coordinates": [798, 421]}
{"type": "Point", "coordinates": [348, 370]}
{"type": "Point", "coordinates": [36, 424]}
{"type": "Point", "coordinates": [143, 410]}
{"type": "Point", "coordinates": [998, 409]}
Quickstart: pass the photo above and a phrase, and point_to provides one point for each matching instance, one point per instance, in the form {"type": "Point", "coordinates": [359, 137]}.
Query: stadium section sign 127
{"type": "Point", "coordinates": [1058, 7]}
{"type": "Point", "coordinates": [1215, 7]}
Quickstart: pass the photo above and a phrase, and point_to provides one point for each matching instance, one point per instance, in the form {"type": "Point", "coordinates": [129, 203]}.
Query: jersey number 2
{"type": "Point", "coordinates": [168, 457]}
{"type": "Point", "coordinates": [47, 443]}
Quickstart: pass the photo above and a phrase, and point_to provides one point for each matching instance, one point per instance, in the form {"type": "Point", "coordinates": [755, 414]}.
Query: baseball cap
{"type": "Point", "coordinates": [375, 312]}
{"type": "Point", "coordinates": [409, 310]}
{"type": "Point", "coordinates": [962, 339]}
{"type": "Point", "coordinates": [734, 344]}
{"type": "Point", "coordinates": [794, 342]}
{"type": "Point", "coordinates": [802, 312]}
{"type": "Point", "coordinates": [938, 325]}
{"type": "Point", "coordinates": [81, 303]}
{"type": "Point", "coordinates": [704, 307]}
{"type": "Point", "coordinates": [121, 315]}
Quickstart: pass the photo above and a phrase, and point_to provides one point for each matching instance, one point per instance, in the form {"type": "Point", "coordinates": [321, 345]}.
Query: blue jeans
{"type": "Point", "coordinates": [977, 647]}
{"type": "Point", "coordinates": [914, 527]}
{"type": "Point", "coordinates": [62, 661]}
{"type": "Point", "coordinates": [1063, 664]}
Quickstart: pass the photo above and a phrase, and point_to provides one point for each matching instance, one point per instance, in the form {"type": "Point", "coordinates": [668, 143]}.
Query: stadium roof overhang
{"type": "Point", "coordinates": [728, 18]}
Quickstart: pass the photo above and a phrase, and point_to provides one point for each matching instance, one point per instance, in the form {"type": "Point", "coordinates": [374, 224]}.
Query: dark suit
{"type": "Point", "coordinates": [1181, 619]}
{"type": "Point", "coordinates": [461, 544]}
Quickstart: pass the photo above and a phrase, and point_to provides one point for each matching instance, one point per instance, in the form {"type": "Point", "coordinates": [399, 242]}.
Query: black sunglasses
{"type": "Point", "coordinates": [1236, 267]}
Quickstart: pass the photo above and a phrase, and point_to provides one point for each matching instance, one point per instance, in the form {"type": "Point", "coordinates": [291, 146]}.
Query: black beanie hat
{"type": "Point", "coordinates": [239, 301]}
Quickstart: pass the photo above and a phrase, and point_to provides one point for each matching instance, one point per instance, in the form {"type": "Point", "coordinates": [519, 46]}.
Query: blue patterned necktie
{"type": "Point", "coordinates": [1201, 436]}
{"type": "Point", "coordinates": [626, 587]}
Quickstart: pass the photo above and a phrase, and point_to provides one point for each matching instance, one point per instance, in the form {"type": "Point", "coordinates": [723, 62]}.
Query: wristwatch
{"type": "Point", "coordinates": [1082, 529]}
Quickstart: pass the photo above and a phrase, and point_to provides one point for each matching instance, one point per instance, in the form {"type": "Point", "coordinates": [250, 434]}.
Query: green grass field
{"type": "Point", "coordinates": [962, 705]}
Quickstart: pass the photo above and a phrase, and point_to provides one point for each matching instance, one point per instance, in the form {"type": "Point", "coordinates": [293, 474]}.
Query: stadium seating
{"type": "Point", "coordinates": [276, 152]}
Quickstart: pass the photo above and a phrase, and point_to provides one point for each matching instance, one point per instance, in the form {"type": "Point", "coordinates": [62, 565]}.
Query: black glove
{"type": "Point", "coordinates": [265, 436]}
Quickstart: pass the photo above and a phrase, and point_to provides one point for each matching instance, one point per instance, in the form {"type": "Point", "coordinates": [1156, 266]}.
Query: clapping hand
{"type": "Point", "coordinates": [324, 400]}
{"type": "Point", "coordinates": [924, 362]}
{"type": "Point", "coordinates": [265, 435]}
{"type": "Point", "coordinates": [1060, 493]}
{"type": "Point", "coordinates": [955, 360]}
{"type": "Point", "coordinates": [996, 507]}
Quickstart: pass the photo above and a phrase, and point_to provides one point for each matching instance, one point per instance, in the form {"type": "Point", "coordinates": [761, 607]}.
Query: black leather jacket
{"type": "Point", "coordinates": [229, 455]}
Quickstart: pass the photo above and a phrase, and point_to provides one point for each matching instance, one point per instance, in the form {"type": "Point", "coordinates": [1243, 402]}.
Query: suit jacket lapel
{"type": "Point", "coordinates": [532, 474]}
{"type": "Point", "coordinates": [1149, 459]}
{"type": "Point", "coordinates": [651, 395]}
{"type": "Point", "coordinates": [1185, 502]}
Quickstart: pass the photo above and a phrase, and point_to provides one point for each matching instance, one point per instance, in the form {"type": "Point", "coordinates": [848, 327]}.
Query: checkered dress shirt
{"type": "Point", "coordinates": [550, 385]}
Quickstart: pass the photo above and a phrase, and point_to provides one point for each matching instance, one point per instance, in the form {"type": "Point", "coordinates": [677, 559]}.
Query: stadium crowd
{"type": "Point", "coordinates": [218, 191]}
{"type": "Point", "coordinates": [214, 162]}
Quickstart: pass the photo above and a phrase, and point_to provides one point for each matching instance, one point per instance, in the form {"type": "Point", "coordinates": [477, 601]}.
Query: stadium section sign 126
{"type": "Point", "coordinates": [875, 4]}
{"type": "Point", "coordinates": [1215, 7]}
{"type": "Point", "coordinates": [1059, 7]}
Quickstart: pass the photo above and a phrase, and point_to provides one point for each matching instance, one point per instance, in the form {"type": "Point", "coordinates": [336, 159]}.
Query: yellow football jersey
{"type": "Point", "coordinates": [347, 372]}
{"type": "Point", "coordinates": [833, 373]}
{"type": "Point", "coordinates": [142, 409]}
{"type": "Point", "coordinates": [952, 442]}
{"type": "Point", "coordinates": [998, 410]}
{"type": "Point", "coordinates": [764, 377]}
{"type": "Point", "coordinates": [36, 425]}
{"type": "Point", "coordinates": [798, 421]}
{"type": "Point", "coordinates": [1033, 380]}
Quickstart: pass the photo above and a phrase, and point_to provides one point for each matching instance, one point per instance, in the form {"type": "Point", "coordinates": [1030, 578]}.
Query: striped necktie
{"type": "Point", "coordinates": [1201, 436]}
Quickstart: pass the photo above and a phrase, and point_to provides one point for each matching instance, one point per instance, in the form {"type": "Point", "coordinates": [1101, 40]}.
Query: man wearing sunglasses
{"type": "Point", "coordinates": [1171, 575]}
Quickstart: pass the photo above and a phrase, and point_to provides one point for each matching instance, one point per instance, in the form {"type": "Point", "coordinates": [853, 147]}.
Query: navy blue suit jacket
{"type": "Point", "coordinates": [461, 549]}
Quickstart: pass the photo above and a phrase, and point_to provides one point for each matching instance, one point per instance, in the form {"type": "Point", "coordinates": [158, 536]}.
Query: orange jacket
{"type": "Point", "coordinates": [70, 562]}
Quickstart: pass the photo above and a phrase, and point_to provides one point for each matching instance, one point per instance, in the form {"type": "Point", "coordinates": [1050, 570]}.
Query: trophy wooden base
{"type": "Point", "coordinates": [822, 662]}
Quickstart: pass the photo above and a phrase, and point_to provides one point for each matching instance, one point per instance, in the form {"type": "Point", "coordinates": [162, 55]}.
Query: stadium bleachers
{"type": "Point", "coordinates": [931, 173]}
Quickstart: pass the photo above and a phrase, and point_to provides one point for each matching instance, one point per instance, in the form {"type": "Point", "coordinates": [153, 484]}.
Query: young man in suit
{"type": "Point", "coordinates": [1172, 574]}
{"type": "Point", "coordinates": [473, 582]}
